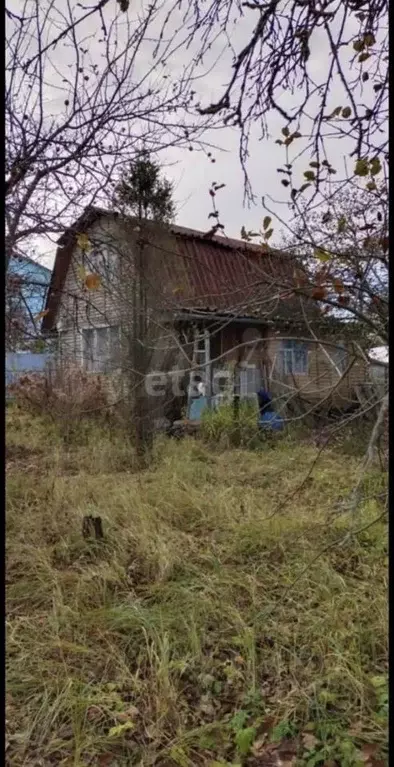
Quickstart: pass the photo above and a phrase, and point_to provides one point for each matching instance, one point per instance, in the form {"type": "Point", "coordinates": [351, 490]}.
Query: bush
{"type": "Point", "coordinates": [66, 396]}
{"type": "Point", "coordinates": [220, 427]}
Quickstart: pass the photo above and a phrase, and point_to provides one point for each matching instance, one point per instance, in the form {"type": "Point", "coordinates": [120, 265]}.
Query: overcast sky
{"type": "Point", "coordinates": [193, 172]}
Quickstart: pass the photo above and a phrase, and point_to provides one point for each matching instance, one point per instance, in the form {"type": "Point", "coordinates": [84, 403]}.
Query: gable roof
{"type": "Point", "coordinates": [24, 264]}
{"type": "Point", "coordinates": [198, 270]}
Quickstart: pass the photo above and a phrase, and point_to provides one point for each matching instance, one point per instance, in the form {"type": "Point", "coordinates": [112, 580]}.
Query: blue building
{"type": "Point", "coordinates": [26, 289]}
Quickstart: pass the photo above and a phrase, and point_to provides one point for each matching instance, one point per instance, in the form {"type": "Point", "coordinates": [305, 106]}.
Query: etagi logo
{"type": "Point", "coordinates": [214, 374]}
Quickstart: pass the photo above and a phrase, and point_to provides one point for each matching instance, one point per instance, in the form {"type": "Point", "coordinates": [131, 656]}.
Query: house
{"type": "Point", "coordinates": [26, 289]}
{"type": "Point", "coordinates": [33, 279]}
{"type": "Point", "coordinates": [122, 290]}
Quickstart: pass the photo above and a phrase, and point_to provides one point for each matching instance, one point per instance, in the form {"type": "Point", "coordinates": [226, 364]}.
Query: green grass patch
{"type": "Point", "coordinates": [212, 622]}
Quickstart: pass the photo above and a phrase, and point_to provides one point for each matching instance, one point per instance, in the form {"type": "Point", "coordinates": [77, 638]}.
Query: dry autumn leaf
{"type": "Point", "coordinates": [42, 314]}
{"type": "Point", "coordinates": [309, 740]}
{"type": "Point", "coordinates": [92, 281]}
{"type": "Point", "coordinates": [368, 750]}
{"type": "Point", "coordinates": [319, 293]}
{"type": "Point", "coordinates": [338, 286]}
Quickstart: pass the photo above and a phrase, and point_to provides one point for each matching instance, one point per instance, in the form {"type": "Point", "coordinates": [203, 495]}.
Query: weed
{"type": "Point", "coordinates": [202, 629]}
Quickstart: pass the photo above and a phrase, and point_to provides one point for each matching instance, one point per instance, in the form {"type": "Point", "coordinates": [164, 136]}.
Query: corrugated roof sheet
{"type": "Point", "coordinates": [194, 270]}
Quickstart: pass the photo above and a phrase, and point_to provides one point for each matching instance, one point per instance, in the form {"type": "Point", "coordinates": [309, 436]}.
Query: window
{"type": "Point", "coordinates": [339, 357]}
{"type": "Point", "coordinates": [295, 357]}
{"type": "Point", "coordinates": [250, 381]}
{"type": "Point", "coordinates": [101, 348]}
{"type": "Point", "coordinates": [100, 260]}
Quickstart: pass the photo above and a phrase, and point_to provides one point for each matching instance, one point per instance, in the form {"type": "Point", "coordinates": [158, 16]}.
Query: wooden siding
{"type": "Point", "coordinates": [111, 304]}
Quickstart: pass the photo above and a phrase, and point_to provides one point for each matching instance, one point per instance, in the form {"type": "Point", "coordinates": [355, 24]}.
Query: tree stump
{"type": "Point", "coordinates": [92, 527]}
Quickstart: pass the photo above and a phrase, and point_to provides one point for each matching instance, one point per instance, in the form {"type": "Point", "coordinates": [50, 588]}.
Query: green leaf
{"type": "Point", "coordinates": [337, 111]}
{"type": "Point", "coordinates": [238, 720]}
{"type": "Point", "coordinates": [341, 224]}
{"type": "Point", "coordinates": [266, 222]}
{"type": "Point", "coordinates": [375, 166]}
{"type": "Point", "coordinates": [303, 187]}
{"type": "Point", "coordinates": [371, 186]}
{"type": "Point", "coordinates": [369, 39]}
{"type": "Point", "coordinates": [363, 57]}
{"type": "Point", "coordinates": [359, 45]}
{"type": "Point", "coordinates": [269, 234]}
{"type": "Point", "coordinates": [244, 740]}
{"type": "Point", "coordinates": [346, 112]}
{"type": "Point", "coordinates": [309, 175]}
{"type": "Point", "coordinates": [119, 729]}
{"type": "Point", "coordinates": [286, 131]}
{"type": "Point", "coordinates": [179, 756]}
{"type": "Point", "coordinates": [314, 164]}
{"type": "Point", "coordinates": [361, 168]}
{"type": "Point", "coordinates": [322, 255]}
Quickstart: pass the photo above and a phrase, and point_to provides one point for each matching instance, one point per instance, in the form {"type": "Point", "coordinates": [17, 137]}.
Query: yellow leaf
{"type": "Point", "coordinates": [81, 272]}
{"type": "Point", "coordinates": [83, 242]}
{"type": "Point", "coordinates": [42, 314]}
{"type": "Point", "coordinates": [92, 281]}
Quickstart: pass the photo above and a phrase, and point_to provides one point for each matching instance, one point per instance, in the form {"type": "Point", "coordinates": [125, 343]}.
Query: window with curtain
{"type": "Point", "coordinates": [101, 349]}
{"type": "Point", "coordinates": [295, 357]}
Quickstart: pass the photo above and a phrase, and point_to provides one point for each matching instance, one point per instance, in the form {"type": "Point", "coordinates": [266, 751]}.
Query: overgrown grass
{"type": "Point", "coordinates": [211, 622]}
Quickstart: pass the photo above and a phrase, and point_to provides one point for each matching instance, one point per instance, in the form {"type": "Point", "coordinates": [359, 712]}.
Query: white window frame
{"type": "Point", "coordinates": [245, 384]}
{"type": "Point", "coordinates": [101, 259]}
{"type": "Point", "coordinates": [289, 354]}
{"type": "Point", "coordinates": [98, 366]}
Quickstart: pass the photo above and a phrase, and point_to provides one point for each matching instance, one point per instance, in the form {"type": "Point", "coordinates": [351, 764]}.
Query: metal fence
{"type": "Point", "coordinates": [18, 364]}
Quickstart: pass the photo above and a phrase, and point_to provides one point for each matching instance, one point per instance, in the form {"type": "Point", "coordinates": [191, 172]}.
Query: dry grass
{"type": "Point", "coordinates": [205, 626]}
